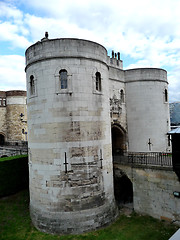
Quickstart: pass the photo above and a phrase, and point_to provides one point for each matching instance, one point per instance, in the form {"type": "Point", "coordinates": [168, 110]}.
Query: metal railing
{"type": "Point", "coordinates": [145, 158]}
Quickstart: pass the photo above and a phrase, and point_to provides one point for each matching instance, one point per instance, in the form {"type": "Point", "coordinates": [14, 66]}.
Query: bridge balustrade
{"type": "Point", "coordinates": [145, 158]}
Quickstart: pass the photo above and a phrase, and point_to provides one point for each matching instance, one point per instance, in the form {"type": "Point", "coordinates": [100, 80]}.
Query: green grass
{"type": "Point", "coordinates": [12, 157]}
{"type": "Point", "coordinates": [15, 224]}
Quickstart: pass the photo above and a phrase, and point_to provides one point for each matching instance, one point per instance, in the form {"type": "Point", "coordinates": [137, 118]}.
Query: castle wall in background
{"type": "Point", "coordinates": [13, 117]}
{"type": "Point", "coordinates": [175, 113]}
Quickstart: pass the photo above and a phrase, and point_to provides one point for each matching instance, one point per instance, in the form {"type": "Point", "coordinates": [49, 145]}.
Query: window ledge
{"type": "Point", "coordinates": [64, 92]}
{"type": "Point", "coordinates": [97, 93]}
{"type": "Point", "coordinates": [32, 96]}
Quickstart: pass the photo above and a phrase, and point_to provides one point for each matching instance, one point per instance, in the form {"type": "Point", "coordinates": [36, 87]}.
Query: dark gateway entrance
{"type": "Point", "coordinates": [175, 135]}
{"type": "Point", "coordinates": [118, 140]}
{"type": "Point", "coordinates": [2, 139]}
{"type": "Point", "coordinates": [123, 188]}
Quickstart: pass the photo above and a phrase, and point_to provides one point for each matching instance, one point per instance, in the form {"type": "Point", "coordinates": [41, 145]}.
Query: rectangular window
{"type": "Point", "coordinates": [2, 102]}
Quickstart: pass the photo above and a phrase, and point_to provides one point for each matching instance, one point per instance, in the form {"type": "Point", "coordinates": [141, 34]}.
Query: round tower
{"type": "Point", "coordinates": [16, 119]}
{"type": "Point", "coordinates": [147, 109]}
{"type": "Point", "coordinates": [70, 156]}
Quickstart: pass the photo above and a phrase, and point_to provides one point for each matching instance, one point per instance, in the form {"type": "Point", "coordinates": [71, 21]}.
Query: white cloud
{"type": "Point", "coordinates": [12, 26]}
{"type": "Point", "coordinates": [10, 33]}
{"type": "Point", "coordinates": [148, 32]}
{"type": "Point", "coordinates": [174, 85]}
{"type": "Point", "coordinates": [12, 74]}
{"type": "Point", "coordinates": [9, 11]}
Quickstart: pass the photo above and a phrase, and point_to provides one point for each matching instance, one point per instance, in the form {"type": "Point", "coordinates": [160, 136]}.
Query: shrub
{"type": "Point", "coordinates": [14, 174]}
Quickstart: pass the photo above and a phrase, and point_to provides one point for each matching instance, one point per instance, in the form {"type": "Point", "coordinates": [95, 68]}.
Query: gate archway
{"type": "Point", "coordinates": [118, 135]}
{"type": "Point", "coordinates": [123, 187]}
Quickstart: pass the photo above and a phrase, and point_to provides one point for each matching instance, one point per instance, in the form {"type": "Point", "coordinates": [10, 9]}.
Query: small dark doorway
{"type": "Point", "coordinates": [123, 188]}
{"type": "Point", "coordinates": [2, 139]}
{"type": "Point", "coordinates": [118, 140]}
{"type": "Point", "coordinates": [175, 135]}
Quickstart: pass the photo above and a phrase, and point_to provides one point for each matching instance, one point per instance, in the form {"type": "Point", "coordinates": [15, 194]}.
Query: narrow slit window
{"type": "Point", "coordinates": [98, 81]}
{"type": "Point", "coordinates": [122, 95]}
{"type": "Point", "coordinates": [32, 85]}
{"type": "Point", "coordinates": [4, 102]}
{"type": "Point", "coordinates": [166, 95]}
{"type": "Point", "coordinates": [63, 79]}
{"type": "Point", "coordinates": [169, 140]}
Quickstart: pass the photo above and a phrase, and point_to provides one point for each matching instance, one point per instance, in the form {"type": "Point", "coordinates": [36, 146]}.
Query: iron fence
{"type": "Point", "coordinates": [145, 158]}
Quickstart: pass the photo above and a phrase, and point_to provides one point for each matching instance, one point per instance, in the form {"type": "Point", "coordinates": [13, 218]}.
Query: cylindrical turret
{"type": "Point", "coordinates": [70, 157]}
{"type": "Point", "coordinates": [147, 109]}
{"type": "Point", "coordinates": [16, 116]}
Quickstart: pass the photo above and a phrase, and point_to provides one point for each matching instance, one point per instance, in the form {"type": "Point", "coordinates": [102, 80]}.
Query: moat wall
{"type": "Point", "coordinates": [153, 189]}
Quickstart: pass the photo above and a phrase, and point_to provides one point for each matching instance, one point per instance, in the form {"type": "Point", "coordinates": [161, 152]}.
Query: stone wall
{"type": "Point", "coordinates": [117, 102]}
{"type": "Point", "coordinates": [3, 126]}
{"type": "Point", "coordinates": [13, 116]}
{"type": "Point", "coordinates": [14, 124]}
{"type": "Point", "coordinates": [153, 189]}
{"type": "Point", "coordinates": [7, 151]}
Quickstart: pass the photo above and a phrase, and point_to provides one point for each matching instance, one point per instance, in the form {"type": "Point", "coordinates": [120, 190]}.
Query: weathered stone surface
{"type": "Point", "coordinates": [70, 160]}
{"type": "Point", "coordinates": [12, 126]}
{"type": "Point", "coordinates": [70, 222]}
{"type": "Point", "coordinates": [153, 189]}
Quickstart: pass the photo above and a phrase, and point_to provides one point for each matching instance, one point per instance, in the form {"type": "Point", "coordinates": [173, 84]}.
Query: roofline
{"type": "Point", "coordinates": [53, 39]}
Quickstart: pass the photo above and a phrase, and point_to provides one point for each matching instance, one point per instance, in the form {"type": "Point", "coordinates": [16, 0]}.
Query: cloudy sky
{"type": "Point", "coordinates": [146, 32]}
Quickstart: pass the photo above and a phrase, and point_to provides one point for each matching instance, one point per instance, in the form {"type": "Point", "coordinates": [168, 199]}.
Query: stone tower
{"type": "Point", "coordinates": [70, 156]}
{"type": "Point", "coordinates": [13, 117]}
{"type": "Point", "coordinates": [147, 105]}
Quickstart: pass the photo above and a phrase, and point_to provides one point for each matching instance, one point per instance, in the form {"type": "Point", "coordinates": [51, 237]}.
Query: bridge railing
{"type": "Point", "coordinates": [145, 158]}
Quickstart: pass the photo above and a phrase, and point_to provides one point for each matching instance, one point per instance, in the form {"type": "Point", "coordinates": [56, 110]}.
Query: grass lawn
{"type": "Point", "coordinates": [15, 224]}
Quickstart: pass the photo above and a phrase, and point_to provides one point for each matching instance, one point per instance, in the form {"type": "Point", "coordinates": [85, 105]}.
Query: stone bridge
{"type": "Point", "coordinates": [150, 186]}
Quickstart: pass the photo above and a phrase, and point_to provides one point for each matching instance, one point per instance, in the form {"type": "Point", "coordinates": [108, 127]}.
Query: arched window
{"type": "Point", "coordinates": [166, 95]}
{"type": "Point", "coordinates": [63, 78]}
{"type": "Point", "coordinates": [122, 96]}
{"type": "Point", "coordinates": [98, 81]}
{"type": "Point", "coordinates": [32, 85]}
